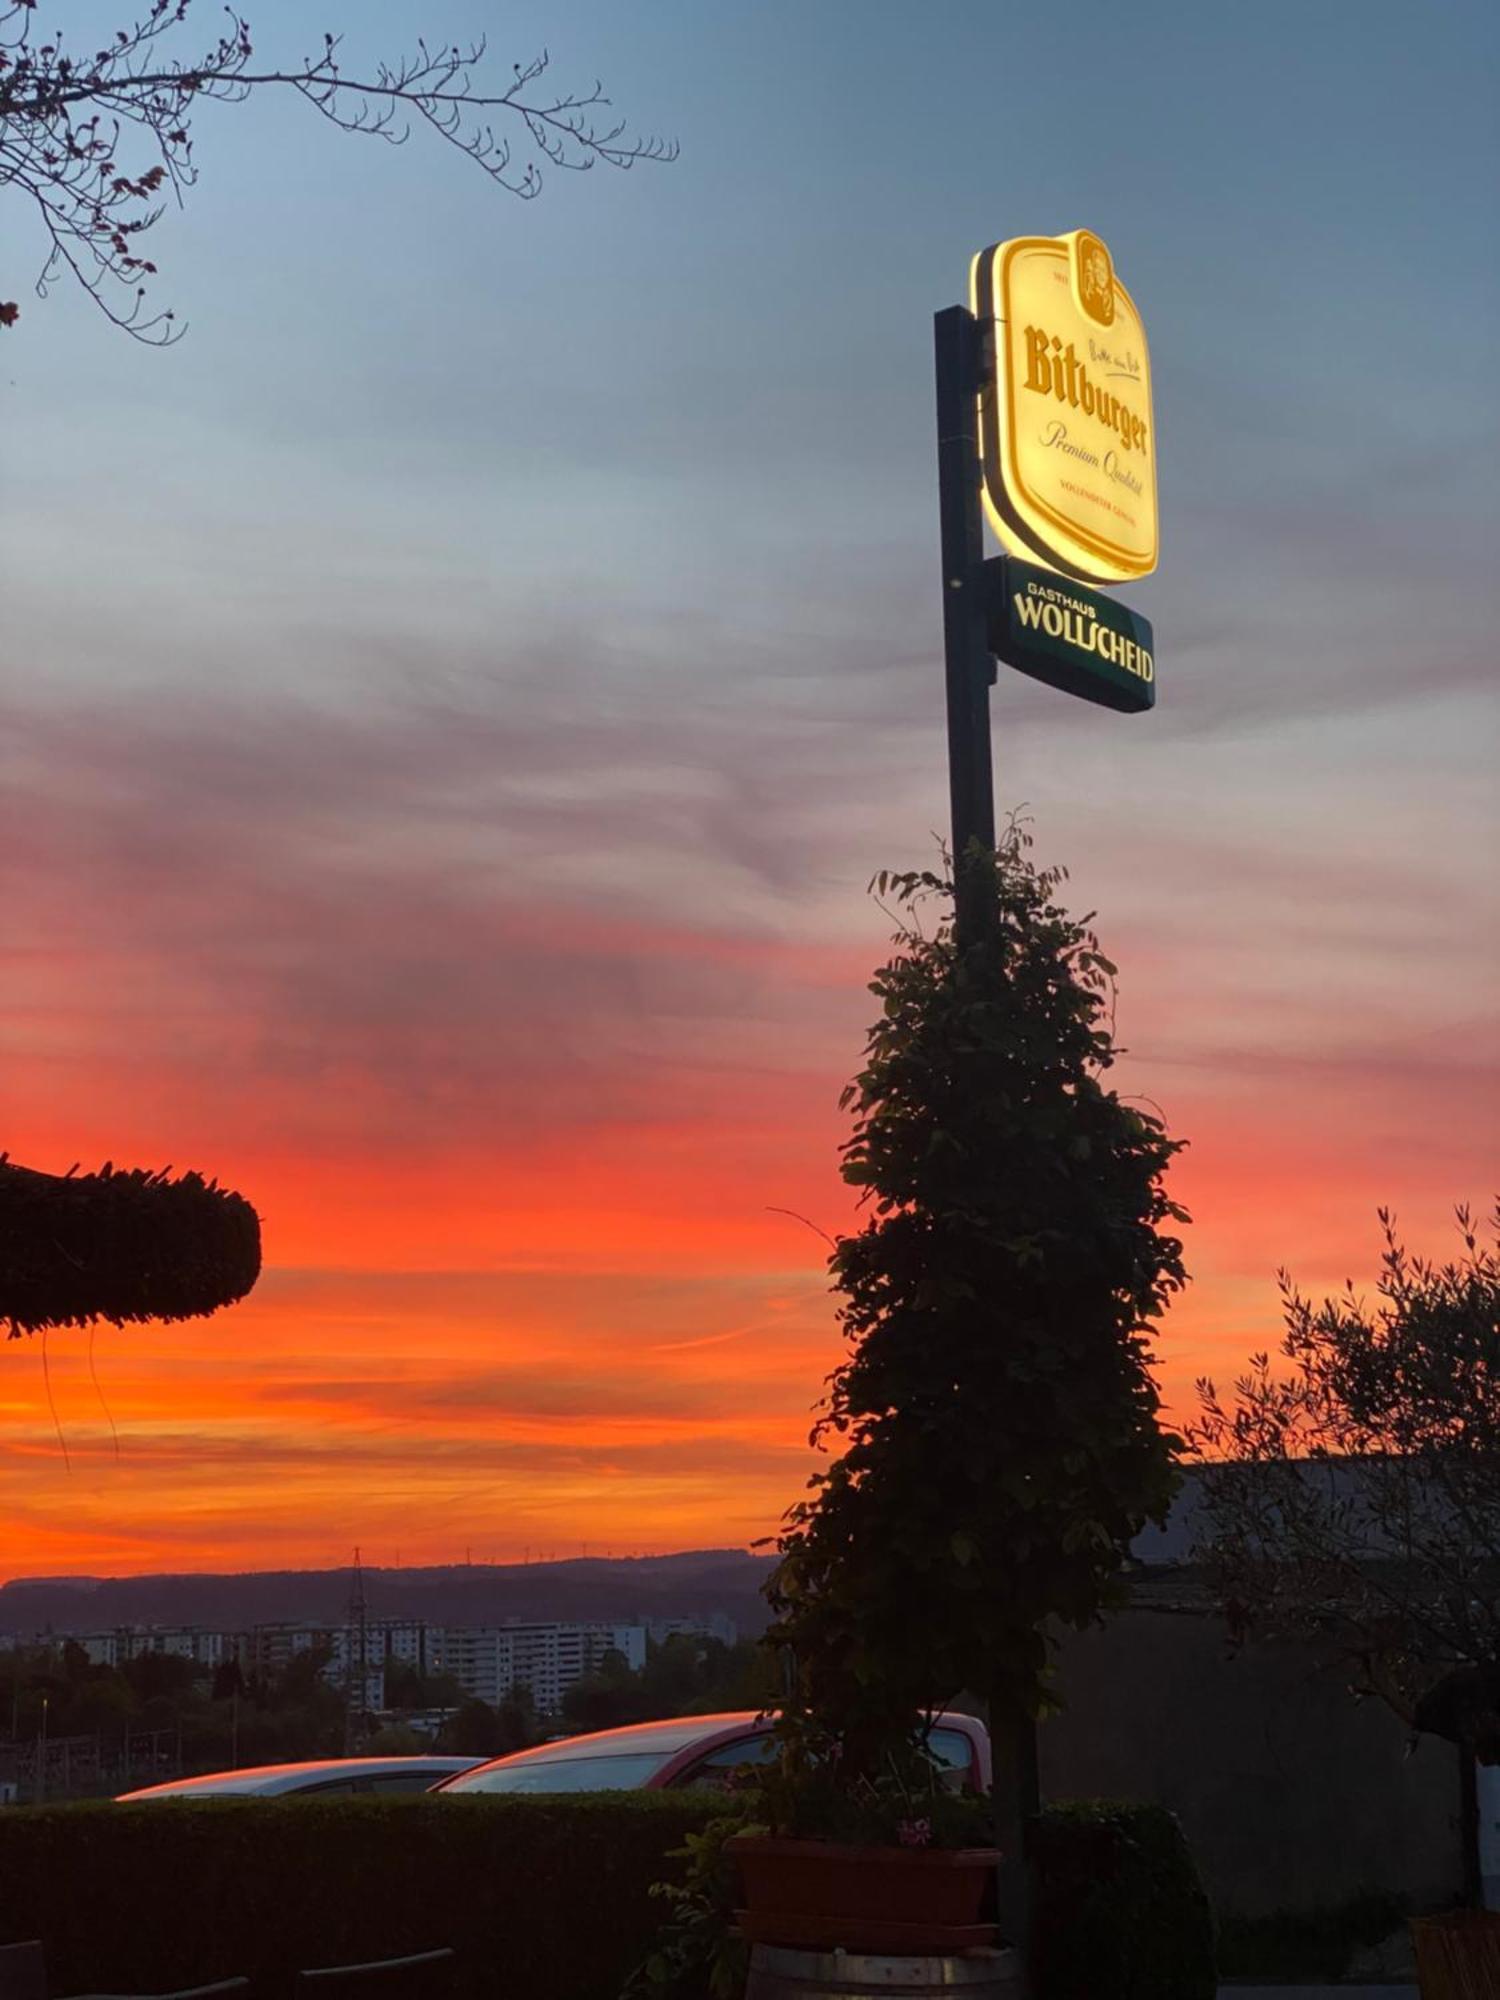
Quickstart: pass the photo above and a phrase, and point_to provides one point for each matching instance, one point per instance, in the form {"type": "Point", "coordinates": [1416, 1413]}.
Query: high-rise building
{"type": "Point", "coordinates": [130, 1642]}
{"type": "Point", "coordinates": [487, 1661]}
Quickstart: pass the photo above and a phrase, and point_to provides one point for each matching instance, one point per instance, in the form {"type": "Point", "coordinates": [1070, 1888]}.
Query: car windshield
{"type": "Point", "coordinates": [194, 1788]}
{"type": "Point", "coordinates": [565, 1774]}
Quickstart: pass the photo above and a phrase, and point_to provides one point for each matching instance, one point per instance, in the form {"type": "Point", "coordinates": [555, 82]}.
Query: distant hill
{"type": "Point", "coordinates": [614, 1589]}
{"type": "Point", "coordinates": [621, 1590]}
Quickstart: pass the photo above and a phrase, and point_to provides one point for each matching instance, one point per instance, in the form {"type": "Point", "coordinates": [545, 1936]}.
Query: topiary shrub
{"type": "Point", "coordinates": [123, 1244]}
{"type": "Point", "coordinates": [995, 1425]}
{"type": "Point", "coordinates": [1121, 1913]}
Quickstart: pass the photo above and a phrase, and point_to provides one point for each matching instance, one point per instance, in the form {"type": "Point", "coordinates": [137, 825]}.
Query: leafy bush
{"type": "Point", "coordinates": [1121, 1912]}
{"type": "Point", "coordinates": [546, 1897]}
{"type": "Point", "coordinates": [1307, 1944]}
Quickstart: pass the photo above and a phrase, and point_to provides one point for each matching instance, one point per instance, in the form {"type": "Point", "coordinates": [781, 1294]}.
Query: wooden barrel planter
{"type": "Point", "coordinates": [1458, 1955]}
{"type": "Point", "coordinates": [778, 1973]}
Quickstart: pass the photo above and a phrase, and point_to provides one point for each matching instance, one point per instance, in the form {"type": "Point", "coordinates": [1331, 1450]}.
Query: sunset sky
{"type": "Point", "coordinates": [453, 704]}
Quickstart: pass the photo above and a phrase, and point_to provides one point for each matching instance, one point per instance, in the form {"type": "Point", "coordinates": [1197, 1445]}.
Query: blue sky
{"type": "Point", "coordinates": [476, 577]}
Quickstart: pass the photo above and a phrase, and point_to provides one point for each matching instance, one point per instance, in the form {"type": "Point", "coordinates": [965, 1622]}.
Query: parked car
{"type": "Point", "coordinates": [326, 1777]}
{"type": "Point", "coordinates": [696, 1750]}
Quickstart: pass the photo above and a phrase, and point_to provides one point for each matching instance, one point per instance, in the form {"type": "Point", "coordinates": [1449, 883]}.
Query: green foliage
{"type": "Point", "coordinates": [550, 1897]}
{"type": "Point", "coordinates": [1306, 1944]}
{"type": "Point", "coordinates": [477, 1730]}
{"type": "Point", "coordinates": [997, 1414]}
{"type": "Point", "coordinates": [690, 1673]}
{"type": "Point", "coordinates": [685, 1674]}
{"type": "Point", "coordinates": [544, 1897]}
{"type": "Point", "coordinates": [396, 1739]}
{"type": "Point", "coordinates": [609, 1696]}
{"type": "Point", "coordinates": [1121, 1912]}
{"type": "Point", "coordinates": [1352, 1497]}
{"type": "Point", "coordinates": [908, 1800]}
{"type": "Point", "coordinates": [697, 1954]}
{"type": "Point", "coordinates": [217, 1718]}
{"type": "Point", "coordinates": [220, 1717]}
{"type": "Point", "coordinates": [471, 1731]}
{"type": "Point", "coordinates": [407, 1687]}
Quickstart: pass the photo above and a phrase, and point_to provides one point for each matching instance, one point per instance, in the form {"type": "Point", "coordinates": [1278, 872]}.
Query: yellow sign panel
{"type": "Point", "coordinates": [1066, 429]}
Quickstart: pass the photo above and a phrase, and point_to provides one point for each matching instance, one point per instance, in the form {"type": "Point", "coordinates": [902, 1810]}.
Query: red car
{"type": "Point", "coordinates": [689, 1750]}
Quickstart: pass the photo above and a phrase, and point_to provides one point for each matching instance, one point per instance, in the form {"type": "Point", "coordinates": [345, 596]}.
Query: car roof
{"type": "Point", "coordinates": [677, 1732]}
{"type": "Point", "coordinates": [667, 1738]}
{"type": "Point", "coordinates": [266, 1779]}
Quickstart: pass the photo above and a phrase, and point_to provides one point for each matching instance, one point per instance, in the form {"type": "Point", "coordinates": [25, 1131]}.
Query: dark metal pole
{"type": "Point", "coordinates": [970, 670]}
{"type": "Point", "coordinates": [959, 339]}
{"type": "Point", "coordinates": [1468, 1823]}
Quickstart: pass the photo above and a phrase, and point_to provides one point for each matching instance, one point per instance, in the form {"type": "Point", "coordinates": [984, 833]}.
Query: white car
{"type": "Point", "coordinates": [325, 1777]}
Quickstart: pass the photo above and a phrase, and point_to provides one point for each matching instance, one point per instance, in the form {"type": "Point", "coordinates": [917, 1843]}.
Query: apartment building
{"type": "Point", "coordinates": [130, 1642]}
{"type": "Point", "coordinates": [266, 1651]}
{"type": "Point", "coordinates": [487, 1661]}
{"type": "Point", "coordinates": [718, 1625]}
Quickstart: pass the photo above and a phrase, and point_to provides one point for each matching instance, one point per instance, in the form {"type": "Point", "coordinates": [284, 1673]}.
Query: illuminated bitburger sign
{"type": "Point", "coordinates": [1068, 452]}
{"type": "Point", "coordinates": [1066, 430]}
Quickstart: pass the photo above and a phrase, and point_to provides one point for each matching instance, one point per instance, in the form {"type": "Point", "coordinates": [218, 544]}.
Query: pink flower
{"type": "Point", "coordinates": [915, 1833]}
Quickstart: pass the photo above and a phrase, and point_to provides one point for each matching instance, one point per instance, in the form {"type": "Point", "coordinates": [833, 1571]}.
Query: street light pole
{"type": "Point", "coordinates": [970, 673]}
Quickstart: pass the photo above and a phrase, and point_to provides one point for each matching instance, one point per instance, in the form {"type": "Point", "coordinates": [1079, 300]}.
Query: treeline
{"type": "Point", "coordinates": [208, 1719]}
{"type": "Point", "coordinates": [684, 1675]}
{"type": "Point", "coordinates": [201, 1718]}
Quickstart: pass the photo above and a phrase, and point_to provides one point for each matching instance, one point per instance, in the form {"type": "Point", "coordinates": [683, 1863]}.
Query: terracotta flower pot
{"type": "Point", "coordinates": [814, 1894]}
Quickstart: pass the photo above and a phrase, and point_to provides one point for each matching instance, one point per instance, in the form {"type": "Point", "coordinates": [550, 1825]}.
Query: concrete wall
{"type": "Point", "coordinates": [1293, 1795]}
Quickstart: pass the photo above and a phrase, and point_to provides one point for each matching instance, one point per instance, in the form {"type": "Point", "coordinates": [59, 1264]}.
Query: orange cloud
{"type": "Point", "coordinates": [523, 1144]}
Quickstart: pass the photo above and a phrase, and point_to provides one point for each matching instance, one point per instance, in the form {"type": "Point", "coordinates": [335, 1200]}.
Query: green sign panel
{"type": "Point", "coordinates": [1072, 637]}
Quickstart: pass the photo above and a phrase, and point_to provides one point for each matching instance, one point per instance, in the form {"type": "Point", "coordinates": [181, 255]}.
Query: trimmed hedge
{"type": "Point", "coordinates": [546, 1897]}
{"type": "Point", "coordinates": [1121, 1911]}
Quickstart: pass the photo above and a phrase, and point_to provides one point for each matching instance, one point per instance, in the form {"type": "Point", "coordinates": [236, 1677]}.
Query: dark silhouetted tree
{"type": "Point", "coordinates": [607, 1698]}
{"type": "Point", "coordinates": [996, 1418]}
{"type": "Point", "coordinates": [1353, 1498]}
{"type": "Point", "coordinates": [516, 1726]}
{"type": "Point", "coordinates": [471, 1731]}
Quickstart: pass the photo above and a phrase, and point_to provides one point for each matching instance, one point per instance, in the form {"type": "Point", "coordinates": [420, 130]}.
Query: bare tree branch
{"type": "Point", "coordinates": [65, 120]}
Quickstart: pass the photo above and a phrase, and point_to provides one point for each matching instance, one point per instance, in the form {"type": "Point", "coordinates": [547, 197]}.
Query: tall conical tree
{"type": "Point", "coordinates": [997, 1414]}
